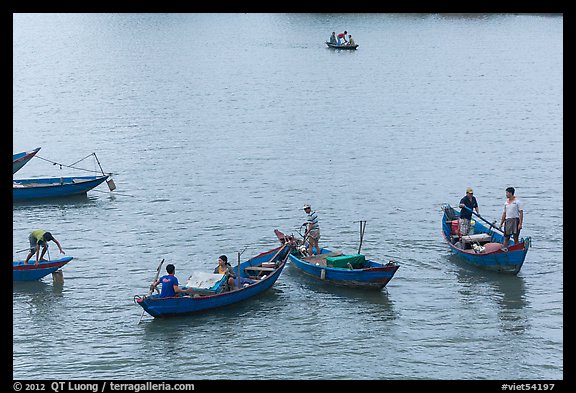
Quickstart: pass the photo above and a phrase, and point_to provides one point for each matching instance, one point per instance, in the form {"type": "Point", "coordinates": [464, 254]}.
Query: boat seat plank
{"type": "Point", "coordinates": [478, 237]}
{"type": "Point", "coordinates": [260, 268]}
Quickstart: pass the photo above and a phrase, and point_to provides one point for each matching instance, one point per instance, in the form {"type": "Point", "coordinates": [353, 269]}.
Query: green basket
{"type": "Point", "coordinates": [357, 261]}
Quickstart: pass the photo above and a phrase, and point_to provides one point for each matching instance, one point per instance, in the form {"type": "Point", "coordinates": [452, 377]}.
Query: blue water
{"type": "Point", "coordinates": [219, 127]}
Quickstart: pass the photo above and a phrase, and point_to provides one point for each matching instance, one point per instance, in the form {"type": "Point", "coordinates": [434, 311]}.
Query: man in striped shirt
{"type": "Point", "coordinates": [312, 230]}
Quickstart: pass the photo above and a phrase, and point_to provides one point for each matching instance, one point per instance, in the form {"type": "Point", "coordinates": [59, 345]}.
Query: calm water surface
{"type": "Point", "coordinates": [220, 127]}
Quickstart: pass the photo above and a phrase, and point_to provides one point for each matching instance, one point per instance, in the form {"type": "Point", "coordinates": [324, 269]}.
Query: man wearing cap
{"type": "Point", "coordinates": [312, 230]}
{"type": "Point", "coordinates": [470, 202]}
{"type": "Point", "coordinates": [40, 238]}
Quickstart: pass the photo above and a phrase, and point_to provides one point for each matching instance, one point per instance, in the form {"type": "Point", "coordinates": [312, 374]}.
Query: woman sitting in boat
{"type": "Point", "coordinates": [225, 268]}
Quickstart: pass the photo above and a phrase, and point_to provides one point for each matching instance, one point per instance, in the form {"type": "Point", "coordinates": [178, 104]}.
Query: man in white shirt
{"type": "Point", "coordinates": [512, 217]}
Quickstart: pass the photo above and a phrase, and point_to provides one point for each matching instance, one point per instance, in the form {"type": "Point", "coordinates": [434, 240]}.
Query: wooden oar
{"type": "Point", "coordinates": [278, 252]}
{"type": "Point", "coordinates": [483, 219]}
{"type": "Point", "coordinates": [152, 290]}
{"type": "Point", "coordinates": [362, 229]}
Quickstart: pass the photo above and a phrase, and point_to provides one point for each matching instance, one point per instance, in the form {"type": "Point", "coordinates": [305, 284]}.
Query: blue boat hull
{"type": "Point", "coordinates": [182, 305]}
{"type": "Point", "coordinates": [343, 46]}
{"type": "Point", "coordinates": [493, 258]}
{"type": "Point", "coordinates": [20, 159]}
{"type": "Point", "coordinates": [54, 187]}
{"type": "Point", "coordinates": [30, 272]}
{"type": "Point", "coordinates": [375, 276]}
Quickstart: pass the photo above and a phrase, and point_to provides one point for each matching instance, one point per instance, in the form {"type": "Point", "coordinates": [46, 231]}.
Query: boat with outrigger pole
{"type": "Point", "coordinates": [60, 187]}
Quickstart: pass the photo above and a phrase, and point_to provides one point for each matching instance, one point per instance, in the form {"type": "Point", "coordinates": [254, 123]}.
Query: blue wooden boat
{"type": "Point", "coordinates": [483, 248]}
{"type": "Point", "coordinates": [262, 271]}
{"type": "Point", "coordinates": [343, 46]}
{"type": "Point", "coordinates": [32, 272]}
{"type": "Point", "coordinates": [54, 187]}
{"type": "Point", "coordinates": [359, 273]}
{"type": "Point", "coordinates": [20, 159]}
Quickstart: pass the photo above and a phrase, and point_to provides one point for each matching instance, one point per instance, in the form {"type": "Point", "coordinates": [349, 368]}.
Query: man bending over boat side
{"type": "Point", "coordinates": [342, 36]}
{"type": "Point", "coordinates": [40, 238]}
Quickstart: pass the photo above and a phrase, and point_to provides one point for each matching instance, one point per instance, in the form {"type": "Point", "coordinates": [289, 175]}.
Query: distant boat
{"type": "Point", "coordinates": [343, 46]}
{"type": "Point", "coordinates": [262, 270]}
{"type": "Point", "coordinates": [339, 269]}
{"type": "Point", "coordinates": [31, 272]}
{"type": "Point", "coordinates": [20, 159]}
{"type": "Point", "coordinates": [483, 248]}
{"type": "Point", "coordinates": [54, 187]}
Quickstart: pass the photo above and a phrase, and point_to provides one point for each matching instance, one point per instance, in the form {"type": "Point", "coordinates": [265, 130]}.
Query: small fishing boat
{"type": "Point", "coordinates": [337, 268]}
{"type": "Point", "coordinates": [344, 47]}
{"type": "Point", "coordinates": [483, 246]}
{"type": "Point", "coordinates": [32, 272]}
{"type": "Point", "coordinates": [54, 187]}
{"type": "Point", "coordinates": [257, 275]}
{"type": "Point", "coordinates": [20, 159]}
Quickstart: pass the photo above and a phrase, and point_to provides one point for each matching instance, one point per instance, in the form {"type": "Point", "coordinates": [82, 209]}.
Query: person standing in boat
{"type": "Point", "coordinates": [169, 282]}
{"type": "Point", "coordinates": [342, 36]}
{"type": "Point", "coordinates": [333, 38]}
{"type": "Point", "coordinates": [512, 217]}
{"type": "Point", "coordinates": [312, 230]}
{"type": "Point", "coordinates": [470, 202]}
{"type": "Point", "coordinates": [40, 238]}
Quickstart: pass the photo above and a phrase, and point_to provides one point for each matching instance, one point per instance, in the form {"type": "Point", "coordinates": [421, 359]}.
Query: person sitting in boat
{"type": "Point", "coordinates": [170, 287]}
{"type": "Point", "coordinates": [342, 36]}
{"type": "Point", "coordinates": [350, 40]}
{"type": "Point", "coordinates": [40, 238]}
{"type": "Point", "coordinates": [225, 268]}
{"type": "Point", "coordinates": [469, 201]}
{"type": "Point", "coordinates": [333, 38]}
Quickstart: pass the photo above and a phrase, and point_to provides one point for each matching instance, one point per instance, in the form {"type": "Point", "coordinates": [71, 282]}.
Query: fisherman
{"type": "Point", "coordinates": [342, 36]}
{"type": "Point", "coordinates": [312, 230]}
{"type": "Point", "coordinates": [40, 238]}
{"type": "Point", "coordinates": [350, 40]}
{"type": "Point", "coordinates": [169, 282]}
{"type": "Point", "coordinates": [333, 38]}
{"type": "Point", "coordinates": [512, 217]}
{"type": "Point", "coordinates": [468, 201]}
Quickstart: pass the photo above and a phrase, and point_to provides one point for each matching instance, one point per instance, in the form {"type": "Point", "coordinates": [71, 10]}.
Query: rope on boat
{"type": "Point", "coordinates": [76, 162]}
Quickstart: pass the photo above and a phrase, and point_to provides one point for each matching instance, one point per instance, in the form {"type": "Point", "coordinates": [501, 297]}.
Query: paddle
{"type": "Point", "coordinates": [362, 229]}
{"type": "Point", "coordinates": [278, 252]}
{"type": "Point", "coordinates": [152, 290]}
{"type": "Point", "coordinates": [483, 219]}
